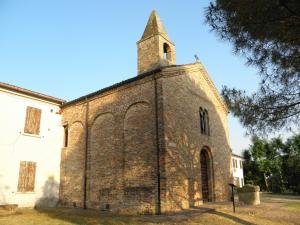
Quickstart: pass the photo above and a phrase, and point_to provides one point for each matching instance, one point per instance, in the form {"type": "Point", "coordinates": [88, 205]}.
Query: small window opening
{"type": "Point", "coordinates": [167, 53]}
{"type": "Point", "coordinates": [66, 135]}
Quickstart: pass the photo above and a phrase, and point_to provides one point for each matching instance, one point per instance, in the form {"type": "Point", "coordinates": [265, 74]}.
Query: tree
{"type": "Point", "coordinates": [274, 165]}
{"type": "Point", "coordinates": [252, 172]}
{"type": "Point", "coordinates": [267, 34]}
{"type": "Point", "coordinates": [263, 164]}
{"type": "Point", "coordinates": [291, 163]}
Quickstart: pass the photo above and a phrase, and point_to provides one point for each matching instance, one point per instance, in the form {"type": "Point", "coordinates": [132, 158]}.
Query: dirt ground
{"type": "Point", "coordinates": [273, 210]}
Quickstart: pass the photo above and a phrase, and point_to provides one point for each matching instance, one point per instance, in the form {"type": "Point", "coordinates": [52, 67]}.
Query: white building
{"type": "Point", "coordinates": [31, 138]}
{"type": "Point", "coordinates": [238, 174]}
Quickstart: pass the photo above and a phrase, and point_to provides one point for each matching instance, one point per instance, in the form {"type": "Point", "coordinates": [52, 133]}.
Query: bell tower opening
{"type": "Point", "coordinates": [167, 53]}
{"type": "Point", "coordinates": [155, 49]}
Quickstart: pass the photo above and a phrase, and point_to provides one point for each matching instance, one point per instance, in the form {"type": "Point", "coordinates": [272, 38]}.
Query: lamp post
{"type": "Point", "coordinates": [232, 196]}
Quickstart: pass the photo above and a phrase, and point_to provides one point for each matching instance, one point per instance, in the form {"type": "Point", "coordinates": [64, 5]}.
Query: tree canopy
{"type": "Point", "coordinates": [274, 165]}
{"type": "Point", "coordinates": [267, 34]}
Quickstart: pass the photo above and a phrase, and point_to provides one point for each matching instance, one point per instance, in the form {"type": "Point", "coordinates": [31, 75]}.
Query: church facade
{"type": "Point", "coordinates": [154, 143]}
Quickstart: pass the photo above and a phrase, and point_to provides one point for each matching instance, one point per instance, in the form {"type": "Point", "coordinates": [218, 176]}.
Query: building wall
{"type": "Point", "coordinates": [185, 89]}
{"type": "Point", "coordinates": [238, 172]}
{"type": "Point", "coordinates": [73, 157]}
{"type": "Point", "coordinates": [148, 54]}
{"type": "Point", "coordinates": [121, 152]}
{"type": "Point", "coordinates": [151, 53]}
{"type": "Point", "coordinates": [118, 127]}
{"type": "Point", "coordinates": [16, 146]}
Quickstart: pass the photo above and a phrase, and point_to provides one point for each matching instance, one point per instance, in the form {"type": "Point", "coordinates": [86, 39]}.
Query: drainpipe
{"type": "Point", "coordinates": [85, 154]}
{"type": "Point", "coordinates": [158, 206]}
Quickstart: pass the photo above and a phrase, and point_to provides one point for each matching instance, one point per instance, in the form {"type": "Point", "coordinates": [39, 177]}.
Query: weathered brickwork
{"type": "Point", "coordinates": [155, 49]}
{"type": "Point", "coordinates": [121, 152]}
{"type": "Point", "coordinates": [135, 147]}
{"type": "Point", "coordinates": [185, 89]}
{"type": "Point", "coordinates": [72, 159]}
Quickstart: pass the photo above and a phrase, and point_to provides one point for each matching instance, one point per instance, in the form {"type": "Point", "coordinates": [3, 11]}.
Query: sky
{"type": "Point", "coordinates": [69, 48]}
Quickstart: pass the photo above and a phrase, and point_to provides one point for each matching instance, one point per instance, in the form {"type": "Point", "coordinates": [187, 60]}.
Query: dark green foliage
{"type": "Point", "coordinates": [291, 163]}
{"type": "Point", "coordinates": [267, 34]}
{"type": "Point", "coordinates": [273, 165]}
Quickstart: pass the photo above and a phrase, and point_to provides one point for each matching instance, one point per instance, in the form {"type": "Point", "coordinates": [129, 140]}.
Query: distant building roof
{"type": "Point", "coordinates": [238, 156]}
{"type": "Point", "coordinates": [30, 93]}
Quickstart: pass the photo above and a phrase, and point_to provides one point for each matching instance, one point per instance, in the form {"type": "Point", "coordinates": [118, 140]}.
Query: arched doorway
{"type": "Point", "coordinates": [205, 175]}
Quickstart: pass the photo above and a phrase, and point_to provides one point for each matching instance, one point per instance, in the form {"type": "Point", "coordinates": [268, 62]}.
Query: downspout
{"type": "Point", "coordinates": [158, 206]}
{"type": "Point", "coordinates": [85, 154]}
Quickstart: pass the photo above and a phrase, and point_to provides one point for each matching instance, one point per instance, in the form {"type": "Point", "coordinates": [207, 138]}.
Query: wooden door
{"type": "Point", "coordinates": [204, 176]}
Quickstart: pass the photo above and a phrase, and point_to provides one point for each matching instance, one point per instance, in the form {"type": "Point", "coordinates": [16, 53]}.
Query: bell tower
{"type": "Point", "coordinates": [155, 48]}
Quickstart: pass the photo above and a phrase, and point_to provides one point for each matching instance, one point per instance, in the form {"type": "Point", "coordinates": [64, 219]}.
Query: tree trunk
{"type": "Point", "coordinates": [266, 182]}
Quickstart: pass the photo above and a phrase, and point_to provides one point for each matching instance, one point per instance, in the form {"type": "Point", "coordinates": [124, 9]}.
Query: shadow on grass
{"type": "Point", "coordinates": [87, 217]}
{"type": "Point", "coordinates": [231, 217]}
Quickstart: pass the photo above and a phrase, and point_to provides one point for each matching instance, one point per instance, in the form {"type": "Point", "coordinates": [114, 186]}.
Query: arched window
{"type": "Point", "coordinates": [204, 121]}
{"type": "Point", "coordinates": [167, 53]}
{"type": "Point", "coordinates": [201, 113]}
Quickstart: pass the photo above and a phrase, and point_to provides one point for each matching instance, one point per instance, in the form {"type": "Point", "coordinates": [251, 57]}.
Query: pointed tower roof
{"type": "Point", "coordinates": [154, 27]}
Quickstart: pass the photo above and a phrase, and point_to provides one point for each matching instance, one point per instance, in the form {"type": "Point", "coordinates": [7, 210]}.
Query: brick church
{"type": "Point", "coordinates": [154, 143]}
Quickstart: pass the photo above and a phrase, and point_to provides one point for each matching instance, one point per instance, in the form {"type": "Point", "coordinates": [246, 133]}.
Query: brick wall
{"type": "Point", "coordinates": [122, 167]}
{"type": "Point", "coordinates": [185, 89]}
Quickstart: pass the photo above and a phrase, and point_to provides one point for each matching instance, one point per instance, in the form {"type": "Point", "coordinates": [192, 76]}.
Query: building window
{"type": "Point", "coordinates": [242, 182]}
{"type": "Point", "coordinates": [33, 120]}
{"type": "Point", "coordinates": [241, 164]}
{"type": "Point", "coordinates": [235, 163]}
{"type": "Point", "coordinates": [204, 121]}
{"type": "Point", "coordinates": [66, 135]}
{"type": "Point", "coordinates": [26, 176]}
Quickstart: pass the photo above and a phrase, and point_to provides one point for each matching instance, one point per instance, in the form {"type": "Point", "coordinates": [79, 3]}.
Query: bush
{"type": "Point", "coordinates": [276, 184]}
{"type": "Point", "coordinates": [248, 188]}
{"type": "Point", "coordinates": [298, 188]}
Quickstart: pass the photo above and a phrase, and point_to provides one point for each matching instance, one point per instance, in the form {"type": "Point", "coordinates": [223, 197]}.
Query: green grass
{"type": "Point", "coordinates": [294, 206]}
{"type": "Point", "coordinates": [269, 212]}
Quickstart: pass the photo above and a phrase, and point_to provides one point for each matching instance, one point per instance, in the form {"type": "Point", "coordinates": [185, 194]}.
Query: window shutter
{"type": "Point", "coordinates": [26, 176]}
{"type": "Point", "coordinates": [22, 177]}
{"type": "Point", "coordinates": [33, 120]}
{"type": "Point", "coordinates": [31, 166]}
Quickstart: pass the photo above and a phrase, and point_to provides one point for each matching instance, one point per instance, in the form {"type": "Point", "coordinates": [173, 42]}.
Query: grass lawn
{"type": "Point", "coordinates": [294, 206]}
{"type": "Point", "coordinates": [274, 209]}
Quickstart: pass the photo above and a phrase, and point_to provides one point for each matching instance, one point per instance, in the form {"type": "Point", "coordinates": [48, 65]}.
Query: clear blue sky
{"type": "Point", "coordinates": [69, 48]}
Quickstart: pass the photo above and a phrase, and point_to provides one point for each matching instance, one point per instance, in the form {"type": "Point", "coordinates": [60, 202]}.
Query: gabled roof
{"type": "Point", "coordinates": [154, 27]}
{"type": "Point", "coordinates": [148, 74]}
{"type": "Point", "coordinates": [30, 93]}
{"type": "Point", "coordinates": [197, 66]}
